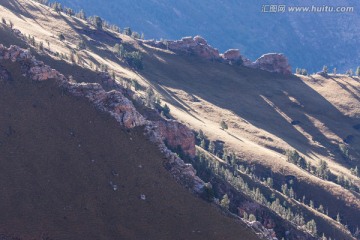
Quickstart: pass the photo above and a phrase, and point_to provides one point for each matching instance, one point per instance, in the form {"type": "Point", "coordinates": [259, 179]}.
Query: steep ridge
{"type": "Point", "coordinates": [309, 39]}
{"type": "Point", "coordinates": [69, 171]}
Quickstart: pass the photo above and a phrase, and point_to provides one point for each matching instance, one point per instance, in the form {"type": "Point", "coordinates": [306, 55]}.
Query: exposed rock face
{"type": "Point", "coordinates": [196, 46]}
{"type": "Point", "coordinates": [177, 134]}
{"type": "Point", "coordinates": [272, 62]}
{"type": "Point", "coordinates": [183, 172]}
{"type": "Point", "coordinates": [262, 231]}
{"type": "Point", "coordinates": [113, 102]}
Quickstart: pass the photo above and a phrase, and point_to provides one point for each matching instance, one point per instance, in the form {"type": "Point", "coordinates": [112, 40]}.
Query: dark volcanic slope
{"type": "Point", "coordinates": [58, 155]}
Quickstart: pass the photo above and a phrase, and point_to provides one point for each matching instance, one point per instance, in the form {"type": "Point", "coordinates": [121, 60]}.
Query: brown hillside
{"type": "Point", "coordinates": [58, 155]}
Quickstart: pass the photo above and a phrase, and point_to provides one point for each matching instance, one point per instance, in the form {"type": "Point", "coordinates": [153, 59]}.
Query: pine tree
{"type": "Point", "coordinates": [284, 189]}
{"type": "Point", "coordinates": [325, 69]}
{"type": "Point", "coordinates": [212, 147]}
{"type": "Point", "coordinates": [203, 144]}
{"type": "Point", "coordinates": [358, 71]}
{"type": "Point", "coordinates": [334, 71]}
{"type": "Point", "coordinates": [311, 227]}
{"type": "Point", "coordinates": [270, 182]}
{"type": "Point", "coordinates": [338, 219]}
{"type": "Point", "coordinates": [225, 202]}
{"type": "Point", "coordinates": [200, 135]}
{"type": "Point", "coordinates": [98, 22]}
{"type": "Point", "coordinates": [81, 15]}
{"type": "Point", "coordinates": [245, 216]}
{"type": "Point", "coordinates": [127, 31]}
{"type": "Point", "coordinates": [166, 110]}
{"type": "Point", "coordinates": [223, 125]}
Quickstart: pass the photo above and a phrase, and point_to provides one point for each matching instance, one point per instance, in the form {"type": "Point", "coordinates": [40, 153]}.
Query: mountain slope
{"type": "Point", "coordinates": [58, 156]}
{"type": "Point", "coordinates": [267, 114]}
{"type": "Point", "coordinates": [310, 40]}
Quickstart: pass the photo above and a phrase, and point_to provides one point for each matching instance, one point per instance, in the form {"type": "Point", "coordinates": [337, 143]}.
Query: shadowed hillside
{"type": "Point", "coordinates": [58, 156]}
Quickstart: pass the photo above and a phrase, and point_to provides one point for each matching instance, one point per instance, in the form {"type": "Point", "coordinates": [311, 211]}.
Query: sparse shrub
{"type": "Point", "coordinates": [61, 37]}
{"type": "Point", "coordinates": [223, 125]}
{"type": "Point", "coordinates": [3, 20]}
{"type": "Point", "coordinates": [81, 45]}
{"type": "Point", "coordinates": [335, 71]}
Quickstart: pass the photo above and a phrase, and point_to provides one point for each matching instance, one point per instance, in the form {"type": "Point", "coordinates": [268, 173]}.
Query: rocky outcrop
{"type": "Point", "coordinates": [112, 102]}
{"type": "Point", "coordinates": [271, 62]}
{"type": "Point", "coordinates": [232, 56]}
{"type": "Point", "coordinates": [177, 135]}
{"type": "Point", "coordinates": [183, 172]}
{"type": "Point", "coordinates": [195, 46]}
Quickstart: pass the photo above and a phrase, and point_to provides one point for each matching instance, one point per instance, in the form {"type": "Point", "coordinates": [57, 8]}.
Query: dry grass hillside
{"type": "Point", "coordinates": [267, 113]}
